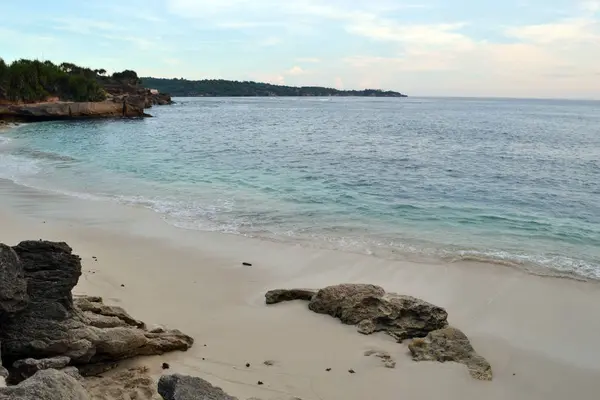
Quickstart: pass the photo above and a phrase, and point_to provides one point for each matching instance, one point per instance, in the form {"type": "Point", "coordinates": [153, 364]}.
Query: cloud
{"type": "Point", "coordinates": [592, 6]}
{"type": "Point", "coordinates": [571, 31]}
{"type": "Point", "coordinates": [270, 41]}
{"type": "Point", "coordinates": [296, 70]}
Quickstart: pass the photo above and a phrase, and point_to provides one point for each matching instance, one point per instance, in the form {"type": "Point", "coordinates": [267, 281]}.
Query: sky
{"type": "Point", "coordinates": [509, 48]}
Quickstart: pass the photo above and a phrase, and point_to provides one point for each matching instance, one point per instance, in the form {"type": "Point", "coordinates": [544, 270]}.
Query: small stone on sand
{"type": "Point", "coordinates": [260, 383]}
{"type": "Point", "coordinates": [165, 366]}
{"type": "Point", "coordinates": [247, 365]}
{"type": "Point", "coordinates": [328, 369]}
{"type": "Point", "coordinates": [246, 264]}
{"type": "Point", "coordinates": [352, 371]}
{"type": "Point", "coordinates": [269, 362]}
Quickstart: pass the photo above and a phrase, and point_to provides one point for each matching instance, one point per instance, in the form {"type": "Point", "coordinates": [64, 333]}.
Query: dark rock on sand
{"type": "Point", "coordinates": [48, 384]}
{"type": "Point", "coordinates": [165, 366]}
{"type": "Point", "coordinates": [54, 325]}
{"type": "Point", "coordinates": [281, 295]}
{"type": "Point", "coordinates": [371, 309]}
{"type": "Point", "coordinates": [181, 387]}
{"type": "Point", "coordinates": [13, 286]}
{"type": "Point", "coordinates": [450, 344]}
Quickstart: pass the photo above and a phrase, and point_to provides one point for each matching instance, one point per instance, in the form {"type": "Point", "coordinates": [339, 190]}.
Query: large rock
{"type": "Point", "coordinates": [128, 107]}
{"type": "Point", "coordinates": [29, 366]}
{"type": "Point", "coordinates": [450, 344]}
{"type": "Point", "coordinates": [373, 310]}
{"type": "Point", "coordinates": [54, 325]}
{"type": "Point", "coordinates": [13, 286]}
{"type": "Point", "coordinates": [181, 387]}
{"type": "Point", "coordinates": [280, 295]}
{"type": "Point", "coordinates": [49, 384]}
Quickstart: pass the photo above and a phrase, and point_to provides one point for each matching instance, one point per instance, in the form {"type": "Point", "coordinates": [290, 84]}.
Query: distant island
{"type": "Point", "coordinates": [224, 88]}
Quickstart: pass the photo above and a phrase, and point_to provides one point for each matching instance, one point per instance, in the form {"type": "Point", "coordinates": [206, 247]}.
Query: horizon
{"type": "Point", "coordinates": [424, 48]}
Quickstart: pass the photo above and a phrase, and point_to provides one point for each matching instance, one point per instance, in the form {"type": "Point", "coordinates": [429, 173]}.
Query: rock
{"type": "Point", "coordinates": [128, 107]}
{"type": "Point", "coordinates": [29, 366]}
{"type": "Point", "coordinates": [48, 384]}
{"type": "Point", "coordinates": [385, 357]}
{"type": "Point", "coordinates": [450, 344]}
{"type": "Point", "coordinates": [130, 384]}
{"type": "Point", "coordinates": [55, 325]}
{"type": "Point", "coordinates": [165, 366]}
{"type": "Point", "coordinates": [180, 387]}
{"type": "Point", "coordinates": [13, 286]}
{"type": "Point", "coordinates": [87, 370]}
{"type": "Point", "coordinates": [280, 295]}
{"type": "Point", "coordinates": [374, 310]}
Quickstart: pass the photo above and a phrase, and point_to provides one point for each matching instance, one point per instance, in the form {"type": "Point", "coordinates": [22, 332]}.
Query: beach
{"type": "Point", "coordinates": [538, 333]}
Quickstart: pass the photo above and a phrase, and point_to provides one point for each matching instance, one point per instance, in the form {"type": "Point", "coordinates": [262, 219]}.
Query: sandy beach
{"type": "Point", "coordinates": [539, 334]}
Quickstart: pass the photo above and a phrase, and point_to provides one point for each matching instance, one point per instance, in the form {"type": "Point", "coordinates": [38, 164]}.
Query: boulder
{"type": "Point", "coordinates": [181, 387]}
{"type": "Point", "coordinates": [280, 295]}
{"type": "Point", "coordinates": [13, 286]}
{"type": "Point", "coordinates": [54, 325]}
{"type": "Point", "coordinates": [48, 384]}
{"type": "Point", "coordinates": [450, 344]}
{"type": "Point", "coordinates": [29, 366]}
{"type": "Point", "coordinates": [373, 310]}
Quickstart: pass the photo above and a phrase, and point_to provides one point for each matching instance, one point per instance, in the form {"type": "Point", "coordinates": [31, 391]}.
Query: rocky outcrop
{"type": "Point", "coordinates": [29, 366]}
{"type": "Point", "coordinates": [116, 108]}
{"type": "Point", "coordinates": [371, 309]}
{"type": "Point", "coordinates": [13, 286]}
{"type": "Point", "coordinates": [49, 384]}
{"type": "Point", "coordinates": [281, 295]}
{"type": "Point", "coordinates": [181, 387]}
{"type": "Point", "coordinates": [450, 344]}
{"type": "Point", "coordinates": [84, 330]}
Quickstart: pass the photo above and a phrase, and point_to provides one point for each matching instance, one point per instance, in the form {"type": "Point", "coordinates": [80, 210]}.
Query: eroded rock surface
{"type": "Point", "coordinates": [29, 366]}
{"type": "Point", "coordinates": [371, 309]}
{"type": "Point", "coordinates": [13, 286]}
{"type": "Point", "coordinates": [48, 384]}
{"type": "Point", "coordinates": [451, 344]}
{"type": "Point", "coordinates": [181, 387]}
{"type": "Point", "coordinates": [86, 331]}
{"type": "Point", "coordinates": [281, 295]}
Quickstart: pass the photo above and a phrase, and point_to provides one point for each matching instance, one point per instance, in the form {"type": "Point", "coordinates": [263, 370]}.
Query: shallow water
{"type": "Point", "coordinates": [510, 181]}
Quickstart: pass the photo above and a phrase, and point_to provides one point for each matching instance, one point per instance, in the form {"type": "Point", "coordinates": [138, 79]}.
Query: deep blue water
{"type": "Point", "coordinates": [513, 181]}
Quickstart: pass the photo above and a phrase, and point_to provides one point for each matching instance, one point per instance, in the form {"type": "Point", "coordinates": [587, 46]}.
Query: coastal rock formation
{"type": "Point", "coordinates": [13, 286]}
{"type": "Point", "coordinates": [29, 366]}
{"type": "Point", "coordinates": [280, 295]}
{"type": "Point", "coordinates": [49, 384]}
{"type": "Point", "coordinates": [128, 107]}
{"type": "Point", "coordinates": [85, 330]}
{"type": "Point", "coordinates": [133, 383]}
{"type": "Point", "coordinates": [370, 308]}
{"type": "Point", "coordinates": [450, 344]}
{"type": "Point", "coordinates": [181, 387]}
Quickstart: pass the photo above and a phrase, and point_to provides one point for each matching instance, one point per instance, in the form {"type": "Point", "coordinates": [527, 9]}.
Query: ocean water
{"type": "Point", "coordinates": [515, 182]}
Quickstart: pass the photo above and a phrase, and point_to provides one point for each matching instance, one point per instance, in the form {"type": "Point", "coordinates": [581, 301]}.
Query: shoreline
{"type": "Point", "coordinates": [541, 330]}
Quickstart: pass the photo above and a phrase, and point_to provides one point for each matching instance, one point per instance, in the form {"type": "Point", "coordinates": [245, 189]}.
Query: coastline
{"type": "Point", "coordinates": [542, 330]}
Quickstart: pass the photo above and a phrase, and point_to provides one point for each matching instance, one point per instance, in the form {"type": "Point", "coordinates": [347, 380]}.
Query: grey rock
{"type": "Point", "coordinates": [181, 387]}
{"type": "Point", "coordinates": [29, 366]}
{"type": "Point", "coordinates": [451, 344]}
{"type": "Point", "coordinates": [48, 384]}
{"type": "Point", "coordinates": [373, 310]}
{"type": "Point", "coordinates": [13, 286]}
{"type": "Point", "coordinates": [54, 325]}
{"type": "Point", "coordinates": [280, 295]}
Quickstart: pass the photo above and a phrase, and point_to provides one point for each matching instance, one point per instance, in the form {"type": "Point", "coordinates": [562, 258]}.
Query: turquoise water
{"type": "Point", "coordinates": [510, 181]}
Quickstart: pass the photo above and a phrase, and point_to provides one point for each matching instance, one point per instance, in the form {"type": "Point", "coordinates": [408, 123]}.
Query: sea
{"type": "Point", "coordinates": [506, 181]}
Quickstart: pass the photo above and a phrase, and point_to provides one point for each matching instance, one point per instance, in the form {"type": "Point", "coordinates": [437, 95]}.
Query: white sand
{"type": "Point", "coordinates": [539, 334]}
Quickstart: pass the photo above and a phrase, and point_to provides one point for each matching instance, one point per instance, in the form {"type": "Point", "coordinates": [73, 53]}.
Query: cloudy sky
{"type": "Point", "coordinates": [510, 48]}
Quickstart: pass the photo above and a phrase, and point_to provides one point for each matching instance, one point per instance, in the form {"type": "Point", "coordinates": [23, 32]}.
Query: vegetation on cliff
{"type": "Point", "coordinates": [224, 88]}
{"type": "Point", "coordinates": [33, 80]}
{"type": "Point", "coordinates": [29, 81]}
